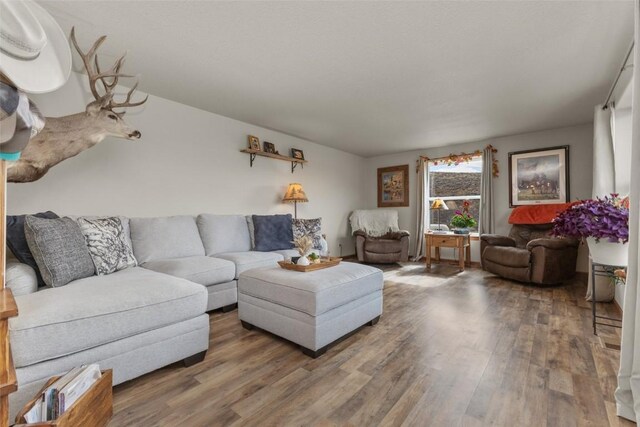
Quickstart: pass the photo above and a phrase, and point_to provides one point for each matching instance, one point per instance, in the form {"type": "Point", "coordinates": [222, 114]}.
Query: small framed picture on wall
{"type": "Point", "coordinates": [254, 143]}
{"type": "Point", "coordinates": [538, 177]}
{"type": "Point", "coordinates": [393, 186]}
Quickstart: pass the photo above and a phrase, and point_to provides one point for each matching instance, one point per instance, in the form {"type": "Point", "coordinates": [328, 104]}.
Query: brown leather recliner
{"type": "Point", "coordinates": [530, 255]}
{"type": "Point", "coordinates": [387, 249]}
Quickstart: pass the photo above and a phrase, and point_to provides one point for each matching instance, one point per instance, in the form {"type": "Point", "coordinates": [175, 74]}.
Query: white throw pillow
{"type": "Point", "coordinates": [109, 247]}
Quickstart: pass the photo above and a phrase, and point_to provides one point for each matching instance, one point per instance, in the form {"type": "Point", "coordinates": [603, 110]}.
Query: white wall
{"type": "Point", "coordinates": [188, 162]}
{"type": "Point", "coordinates": [579, 138]}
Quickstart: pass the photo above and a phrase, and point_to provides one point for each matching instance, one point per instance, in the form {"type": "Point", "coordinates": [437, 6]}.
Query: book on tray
{"type": "Point", "coordinates": [63, 393]}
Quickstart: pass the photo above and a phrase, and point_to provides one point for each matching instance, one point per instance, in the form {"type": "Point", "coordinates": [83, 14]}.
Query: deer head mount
{"type": "Point", "coordinates": [68, 136]}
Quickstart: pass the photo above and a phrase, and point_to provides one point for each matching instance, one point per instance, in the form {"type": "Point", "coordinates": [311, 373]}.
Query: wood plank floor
{"type": "Point", "coordinates": [451, 349]}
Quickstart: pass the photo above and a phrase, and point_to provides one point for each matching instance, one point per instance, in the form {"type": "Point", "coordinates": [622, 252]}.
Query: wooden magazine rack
{"type": "Point", "coordinates": [94, 408]}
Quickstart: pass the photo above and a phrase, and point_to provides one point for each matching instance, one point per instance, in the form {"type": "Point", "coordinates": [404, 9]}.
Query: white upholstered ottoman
{"type": "Point", "coordinates": [312, 309]}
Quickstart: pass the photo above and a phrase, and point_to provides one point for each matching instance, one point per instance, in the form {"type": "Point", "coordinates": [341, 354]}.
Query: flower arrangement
{"type": "Point", "coordinates": [600, 218]}
{"type": "Point", "coordinates": [462, 218]}
{"type": "Point", "coordinates": [303, 244]}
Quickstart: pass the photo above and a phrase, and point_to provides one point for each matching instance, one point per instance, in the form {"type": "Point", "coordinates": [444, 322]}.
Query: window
{"type": "Point", "coordinates": [455, 183]}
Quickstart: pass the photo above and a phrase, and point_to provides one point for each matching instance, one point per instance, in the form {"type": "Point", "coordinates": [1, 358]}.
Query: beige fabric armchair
{"type": "Point", "coordinates": [530, 255]}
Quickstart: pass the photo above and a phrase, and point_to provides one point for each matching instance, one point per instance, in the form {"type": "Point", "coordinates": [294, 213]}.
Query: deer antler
{"type": "Point", "coordinates": [95, 74]}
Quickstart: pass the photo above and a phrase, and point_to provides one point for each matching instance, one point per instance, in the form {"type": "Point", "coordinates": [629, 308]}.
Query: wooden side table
{"type": "Point", "coordinates": [449, 240]}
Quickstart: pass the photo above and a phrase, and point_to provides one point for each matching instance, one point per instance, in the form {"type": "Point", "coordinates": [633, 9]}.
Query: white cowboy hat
{"type": "Point", "coordinates": [34, 52]}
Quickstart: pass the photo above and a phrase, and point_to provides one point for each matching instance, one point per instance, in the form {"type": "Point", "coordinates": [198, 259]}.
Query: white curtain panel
{"type": "Point", "coordinates": [628, 391]}
{"type": "Point", "coordinates": [603, 184]}
{"type": "Point", "coordinates": [487, 221]}
{"type": "Point", "coordinates": [422, 206]}
{"type": "Point", "coordinates": [603, 163]}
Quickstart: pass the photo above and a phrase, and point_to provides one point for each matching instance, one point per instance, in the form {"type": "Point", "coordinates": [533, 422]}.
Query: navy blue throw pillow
{"type": "Point", "coordinates": [273, 232]}
{"type": "Point", "coordinates": [17, 241]}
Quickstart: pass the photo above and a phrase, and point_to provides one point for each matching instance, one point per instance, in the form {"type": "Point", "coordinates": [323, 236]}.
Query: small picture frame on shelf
{"type": "Point", "coordinates": [269, 147]}
{"type": "Point", "coordinates": [297, 154]}
{"type": "Point", "coordinates": [254, 143]}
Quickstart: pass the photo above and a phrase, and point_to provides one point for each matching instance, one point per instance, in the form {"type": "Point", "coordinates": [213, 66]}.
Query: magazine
{"type": "Point", "coordinates": [63, 393]}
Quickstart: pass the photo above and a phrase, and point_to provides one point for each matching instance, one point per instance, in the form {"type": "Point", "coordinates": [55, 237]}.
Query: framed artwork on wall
{"type": "Point", "coordinates": [393, 186]}
{"type": "Point", "coordinates": [538, 177]}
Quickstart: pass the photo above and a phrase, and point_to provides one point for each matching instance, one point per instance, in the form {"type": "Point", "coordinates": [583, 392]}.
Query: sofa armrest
{"type": "Point", "coordinates": [360, 233]}
{"type": "Point", "coordinates": [497, 240]}
{"type": "Point", "coordinates": [21, 278]}
{"type": "Point", "coordinates": [551, 243]}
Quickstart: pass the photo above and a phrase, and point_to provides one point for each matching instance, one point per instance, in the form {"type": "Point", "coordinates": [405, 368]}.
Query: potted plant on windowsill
{"type": "Point", "coordinates": [603, 223]}
{"type": "Point", "coordinates": [462, 221]}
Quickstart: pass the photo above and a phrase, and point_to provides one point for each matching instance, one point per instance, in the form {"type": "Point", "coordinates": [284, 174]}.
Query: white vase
{"type": "Point", "coordinates": [608, 253]}
{"type": "Point", "coordinates": [324, 247]}
{"type": "Point", "coordinates": [303, 260]}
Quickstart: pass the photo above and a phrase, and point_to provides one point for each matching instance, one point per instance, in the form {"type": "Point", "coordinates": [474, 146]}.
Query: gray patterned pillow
{"type": "Point", "coordinates": [108, 245]}
{"type": "Point", "coordinates": [59, 249]}
{"type": "Point", "coordinates": [311, 227]}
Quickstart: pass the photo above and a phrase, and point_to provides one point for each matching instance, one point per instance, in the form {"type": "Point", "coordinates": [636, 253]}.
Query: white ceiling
{"type": "Point", "coordinates": [370, 77]}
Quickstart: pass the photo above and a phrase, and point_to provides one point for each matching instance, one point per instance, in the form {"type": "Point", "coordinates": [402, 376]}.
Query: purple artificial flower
{"type": "Point", "coordinates": [602, 218]}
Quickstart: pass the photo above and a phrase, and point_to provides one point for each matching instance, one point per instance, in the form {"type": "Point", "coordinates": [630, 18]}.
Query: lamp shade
{"type": "Point", "coordinates": [295, 193]}
{"type": "Point", "coordinates": [439, 204]}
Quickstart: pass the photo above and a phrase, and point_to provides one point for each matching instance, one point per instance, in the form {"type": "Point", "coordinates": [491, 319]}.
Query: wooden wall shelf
{"type": "Point", "coordinates": [253, 153]}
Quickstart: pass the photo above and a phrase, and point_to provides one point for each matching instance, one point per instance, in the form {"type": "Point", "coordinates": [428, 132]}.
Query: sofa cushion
{"type": "Point", "coordinates": [59, 249]}
{"type": "Point", "coordinates": [383, 246]}
{"type": "Point", "coordinates": [165, 238]}
{"type": "Point", "coordinates": [199, 269]}
{"type": "Point", "coordinates": [99, 310]}
{"type": "Point", "coordinates": [110, 250]}
{"type": "Point", "coordinates": [273, 232]}
{"type": "Point", "coordinates": [314, 292]}
{"type": "Point", "coordinates": [21, 278]}
{"type": "Point", "coordinates": [224, 233]}
{"type": "Point", "coordinates": [247, 260]}
{"type": "Point", "coordinates": [308, 227]}
{"type": "Point", "coordinates": [507, 256]}
{"type": "Point", "coordinates": [17, 241]}
{"type": "Point", "coordinates": [123, 219]}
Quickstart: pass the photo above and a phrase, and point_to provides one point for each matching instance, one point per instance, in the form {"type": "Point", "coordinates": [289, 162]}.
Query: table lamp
{"type": "Point", "coordinates": [295, 194]}
{"type": "Point", "coordinates": [438, 205]}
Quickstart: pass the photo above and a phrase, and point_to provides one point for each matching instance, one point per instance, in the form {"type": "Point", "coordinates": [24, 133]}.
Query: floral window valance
{"type": "Point", "coordinates": [456, 159]}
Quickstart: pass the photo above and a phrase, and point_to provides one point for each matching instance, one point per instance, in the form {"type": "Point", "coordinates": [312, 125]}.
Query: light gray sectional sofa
{"type": "Point", "coordinates": [138, 319]}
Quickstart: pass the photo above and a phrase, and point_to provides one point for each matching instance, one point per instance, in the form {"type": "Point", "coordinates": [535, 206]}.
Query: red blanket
{"type": "Point", "coordinates": [536, 214]}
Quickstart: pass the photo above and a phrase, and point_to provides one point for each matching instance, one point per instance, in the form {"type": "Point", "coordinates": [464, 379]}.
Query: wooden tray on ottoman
{"type": "Point", "coordinates": [324, 263]}
{"type": "Point", "coordinates": [94, 408]}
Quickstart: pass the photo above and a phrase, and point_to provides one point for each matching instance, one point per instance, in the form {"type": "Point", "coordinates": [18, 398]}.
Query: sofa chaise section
{"type": "Point", "coordinates": [133, 321]}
